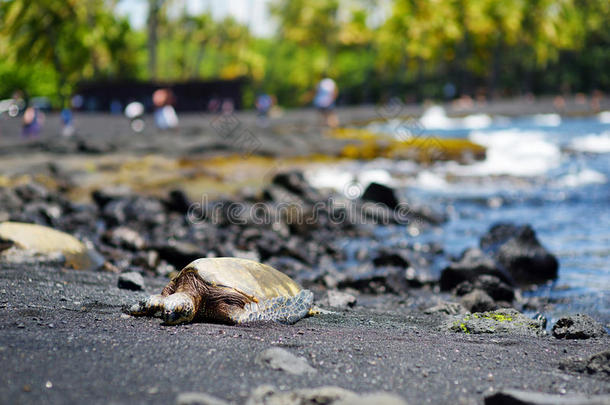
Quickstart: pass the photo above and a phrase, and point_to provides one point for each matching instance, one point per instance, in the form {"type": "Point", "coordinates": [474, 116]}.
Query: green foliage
{"type": "Point", "coordinates": [496, 47]}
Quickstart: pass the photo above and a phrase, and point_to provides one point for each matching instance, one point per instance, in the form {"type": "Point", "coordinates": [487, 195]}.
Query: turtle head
{"type": "Point", "coordinates": [178, 308]}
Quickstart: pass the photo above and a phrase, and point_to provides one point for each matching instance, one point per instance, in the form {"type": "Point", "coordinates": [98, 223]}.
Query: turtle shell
{"type": "Point", "coordinates": [44, 240]}
{"type": "Point", "coordinates": [251, 278]}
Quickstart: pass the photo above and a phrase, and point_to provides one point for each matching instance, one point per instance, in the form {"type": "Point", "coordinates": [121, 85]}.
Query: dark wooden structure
{"type": "Point", "coordinates": [189, 96]}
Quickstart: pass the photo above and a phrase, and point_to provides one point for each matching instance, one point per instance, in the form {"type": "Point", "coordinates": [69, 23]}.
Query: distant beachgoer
{"type": "Point", "coordinates": [227, 106]}
{"type": "Point", "coordinates": [134, 111]}
{"type": "Point", "coordinates": [32, 122]}
{"type": "Point", "coordinates": [214, 105]}
{"type": "Point", "coordinates": [324, 101]}
{"type": "Point", "coordinates": [67, 120]}
{"type": "Point", "coordinates": [264, 102]}
{"type": "Point", "coordinates": [116, 107]}
{"type": "Point", "coordinates": [165, 115]}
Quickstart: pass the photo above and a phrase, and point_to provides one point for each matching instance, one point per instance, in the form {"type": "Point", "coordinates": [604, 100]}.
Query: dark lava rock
{"type": "Point", "coordinates": [131, 281]}
{"type": "Point", "coordinates": [294, 182]}
{"type": "Point", "coordinates": [178, 201]}
{"type": "Point", "coordinates": [105, 195]}
{"type": "Point", "coordinates": [9, 203]}
{"type": "Point", "coordinates": [179, 253]}
{"type": "Point", "coordinates": [374, 280]}
{"type": "Point", "coordinates": [517, 397]}
{"type": "Point", "coordinates": [517, 250]}
{"type": "Point", "coordinates": [597, 364]}
{"type": "Point", "coordinates": [472, 264]}
{"type": "Point", "coordinates": [387, 257]}
{"type": "Point", "coordinates": [31, 192]}
{"type": "Point", "coordinates": [492, 285]}
{"type": "Point", "coordinates": [379, 193]}
{"type": "Point", "coordinates": [478, 301]}
{"type": "Point", "coordinates": [501, 321]}
{"type": "Point", "coordinates": [143, 210]}
{"type": "Point", "coordinates": [578, 326]}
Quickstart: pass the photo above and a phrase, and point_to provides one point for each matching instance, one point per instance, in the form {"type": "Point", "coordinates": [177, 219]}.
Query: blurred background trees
{"type": "Point", "coordinates": [416, 50]}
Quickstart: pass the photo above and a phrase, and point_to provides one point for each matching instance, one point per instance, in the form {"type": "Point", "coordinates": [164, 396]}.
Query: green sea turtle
{"type": "Point", "coordinates": [19, 241]}
{"type": "Point", "coordinates": [228, 290]}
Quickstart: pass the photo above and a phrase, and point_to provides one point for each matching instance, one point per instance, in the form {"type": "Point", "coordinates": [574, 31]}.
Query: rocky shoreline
{"type": "Point", "coordinates": [408, 322]}
{"type": "Point", "coordinates": [403, 295]}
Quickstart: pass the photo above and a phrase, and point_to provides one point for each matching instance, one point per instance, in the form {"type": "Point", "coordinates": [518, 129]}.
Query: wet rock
{"type": "Point", "coordinates": [478, 301]}
{"type": "Point", "coordinates": [124, 237]}
{"type": "Point", "coordinates": [493, 286]}
{"type": "Point", "coordinates": [142, 210]}
{"type": "Point", "coordinates": [518, 397]}
{"type": "Point", "coordinates": [502, 321]}
{"type": "Point", "coordinates": [268, 395]}
{"type": "Point", "coordinates": [338, 299]}
{"type": "Point", "coordinates": [281, 359]}
{"type": "Point", "coordinates": [131, 281]}
{"type": "Point", "coordinates": [374, 280]}
{"type": "Point", "coordinates": [472, 264]}
{"type": "Point", "coordinates": [294, 182]}
{"type": "Point", "coordinates": [178, 201]}
{"type": "Point", "coordinates": [105, 195]}
{"type": "Point", "coordinates": [380, 193]}
{"type": "Point", "coordinates": [32, 192]}
{"type": "Point", "coordinates": [446, 308]}
{"type": "Point", "coordinates": [179, 253]}
{"type": "Point", "coordinates": [388, 257]}
{"type": "Point", "coordinates": [578, 326]}
{"type": "Point", "coordinates": [517, 249]}
{"type": "Point", "coordinates": [597, 364]}
{"type": "Point", "coordinates": [9, 203]}
{"type": "Point", "coordinates": [198, 398]}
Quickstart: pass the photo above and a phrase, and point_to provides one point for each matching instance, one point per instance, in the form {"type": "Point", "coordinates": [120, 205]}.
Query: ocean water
{"type": "Point", "coordinates": [550, 171]}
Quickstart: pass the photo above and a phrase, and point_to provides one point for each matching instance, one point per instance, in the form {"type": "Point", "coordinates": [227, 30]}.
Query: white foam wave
{"type": "Point", "coordinates": [581, 178]}
{"type": "Point", "coordinates": [604, 117]}
{"type": "Point", "coordinates": [435, 117]}
{"type": "Point", "coordinates": [547, 120]}
{"type": "Point", "coordinates": [342, 179]}
{"type": "Point", "coordinates": [431, 181]}
{"type": "Point", "coordinates": [514, 152]}
{"type": "Point", "coordinates": [592, 143]}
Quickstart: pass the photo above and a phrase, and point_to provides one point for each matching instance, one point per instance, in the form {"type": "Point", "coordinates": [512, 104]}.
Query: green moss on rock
{"type": "Point", "coordinates": [503, 321]}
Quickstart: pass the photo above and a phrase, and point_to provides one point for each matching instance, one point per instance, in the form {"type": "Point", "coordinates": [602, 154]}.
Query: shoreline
{"type": "Point", "coordinates": [65, 338]}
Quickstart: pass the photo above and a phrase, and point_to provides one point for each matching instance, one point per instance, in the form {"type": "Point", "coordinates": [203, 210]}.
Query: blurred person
{"type": "Point", "coordinates": [227, 106]}
{"type": "Point", "coordinates": [264, 103]}
{"type": "Point", "coordinates": [165, 115]}
{"type": "Point", "coordinates": [324, 101]}
{"type": "Point", "coordinates": [116, 107]}
{"type": "Point", "coordinates": [214, 105]}
{"type": "Point", "coordinates": [33, 119]}
{"type": "Point", "coordinates": [67, 120]}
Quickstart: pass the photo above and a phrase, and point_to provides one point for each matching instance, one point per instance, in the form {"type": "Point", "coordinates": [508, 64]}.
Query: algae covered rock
{"type": "Point", "coordinates": [502, 321]}
{"type": "Point", "coordinates": [21, 242]}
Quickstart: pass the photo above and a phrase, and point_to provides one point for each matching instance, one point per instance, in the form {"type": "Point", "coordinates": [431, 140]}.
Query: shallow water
{"type": "Point", "coordinates": [550, 171]}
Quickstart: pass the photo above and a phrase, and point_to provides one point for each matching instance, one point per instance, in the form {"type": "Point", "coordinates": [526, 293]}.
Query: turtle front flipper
{"type": "Point", "coordinates": [148, 307]}
{"type": "Point", "coordinates": [284, 309]}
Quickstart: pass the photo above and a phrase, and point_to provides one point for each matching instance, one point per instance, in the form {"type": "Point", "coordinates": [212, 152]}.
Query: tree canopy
{"type": "Point", "coordinates": [479, 46]}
